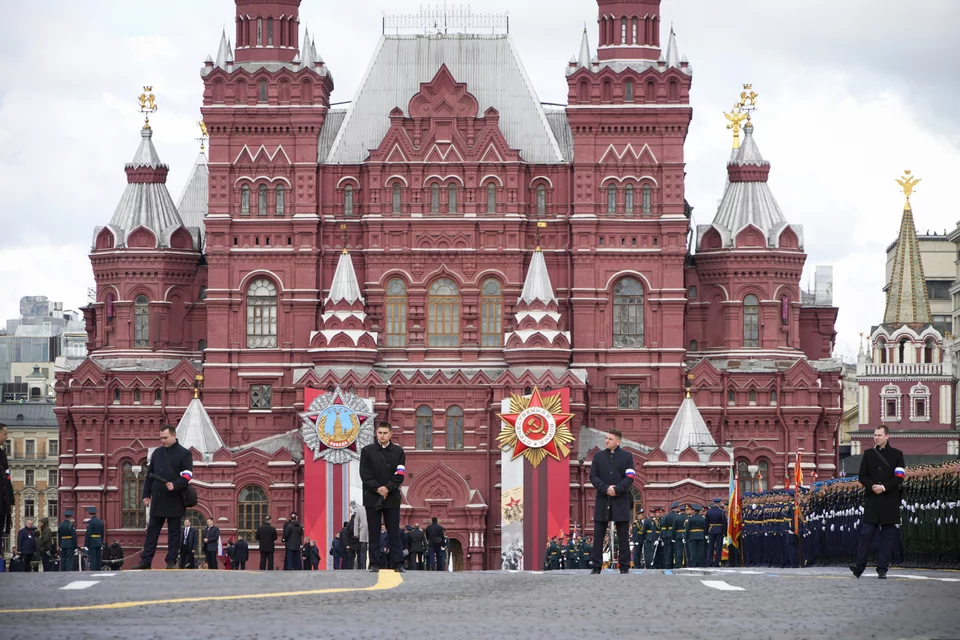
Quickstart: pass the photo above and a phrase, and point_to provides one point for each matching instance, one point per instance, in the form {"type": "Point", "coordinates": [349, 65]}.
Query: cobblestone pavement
{"type": "Point", "coordinates": [725, 603]}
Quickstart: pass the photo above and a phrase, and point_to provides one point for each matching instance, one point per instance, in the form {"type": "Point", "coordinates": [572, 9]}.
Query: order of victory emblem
{"type": "Point", "coordinates": [336, 426]}
{"type": "Point", "coordinates": [536, 427]}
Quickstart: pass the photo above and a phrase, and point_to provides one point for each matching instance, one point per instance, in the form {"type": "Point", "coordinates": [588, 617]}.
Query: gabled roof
{"type": "Point", "coordinates": [197, 430]}
{"type": "Point", "coordinates": [488, 64]}
{"type": "Point", "coordinates": [688, 430]}
{"type": "Point", "coordinates": [193, 200]}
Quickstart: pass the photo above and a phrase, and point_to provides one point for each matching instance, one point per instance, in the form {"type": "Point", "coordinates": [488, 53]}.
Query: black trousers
{"type": "Point", "coordinates": [266, 561]}
{"type": "Point", "coordinates": [188, 558]}
{"type": "Point", "coordinates": [390, 518]}
{"type": "Point", "coordinates": [623, 543]}
{"type": "Point", "coordinates": [888, 537]}
{"type": "Point", "coordinates": [212, 562]}
{"type": "Point", "coordinates": [174, 536]}
{"type": "Point", "coordinates": [715, 550]}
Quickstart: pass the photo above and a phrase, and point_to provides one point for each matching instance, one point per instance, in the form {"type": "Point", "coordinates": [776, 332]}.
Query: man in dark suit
{"type": "Point", "coordinates": [292, 543]}
{"type": "Point", "coordinates": [93, 539]}
{"type": "Point", "coordinates": [612, 474]}
{"type": "Point", "coordinates": [882, 471]}
{"type": "Point", "coordinates": [241, 553]}
{"type": "Point", "coordinates": [382, 471]}
{"type": "Point", "coordinates": [211, 544]}
{"type": "Point", "coordinates": [267, 537]}
{"type": "Point", "coordinates": [188, 546]}
{"type": "Point", "coordinates": [417, 542]}
{"type": "Point", "coordinates": [436, 536]}
{"type": "Point", "coordinates": [27, 544]}
{"type": "Point", "coordinates": [168, 473]}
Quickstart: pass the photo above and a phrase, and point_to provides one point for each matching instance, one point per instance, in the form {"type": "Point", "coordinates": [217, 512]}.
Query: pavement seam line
{"type": "Point", "coordinates": [385, 580]}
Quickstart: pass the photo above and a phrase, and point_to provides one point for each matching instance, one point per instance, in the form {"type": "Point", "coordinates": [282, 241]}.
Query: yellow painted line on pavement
{"type": "Point", "coordinates": [385, 580]}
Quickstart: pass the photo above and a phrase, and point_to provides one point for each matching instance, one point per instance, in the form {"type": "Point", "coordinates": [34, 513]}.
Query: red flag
{"type": "Point", "coordinates": [798, 476]}
{"type": "Point", "coordinates": [734, 520]}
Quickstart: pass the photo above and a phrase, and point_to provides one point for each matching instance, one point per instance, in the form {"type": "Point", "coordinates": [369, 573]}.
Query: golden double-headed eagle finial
{"type": "Point", "coordinates": [148, 104]}
{"type": "Point", "coordinates": [907, 182]}
{"type": "Point", "coordinates": [742, 109]}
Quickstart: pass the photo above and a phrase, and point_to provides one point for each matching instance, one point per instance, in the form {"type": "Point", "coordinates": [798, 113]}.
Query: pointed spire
{"type": "Point", "coordinates": [197, 430]}
{"type": "Point", "coordinates": [229, 51]}
{"type": "Point", "coordinates": [345, 287]}
{"type": "Point", "coordinates": [688, 430]}
{"type": "Point", "coordinates": [146, 155]}
{"type": "Point", "coordinates": [223, 52]}
{"type": "Point", "coordinates": [673, 54]}
{"type": "Point", "coordinates": [305, 56]}
{"type": "Point", "coordinates": [537, 286]}
{"type": "Point", "coordinates": [584, 59]}
{"type": "Point", "coordinates": [907, 301]}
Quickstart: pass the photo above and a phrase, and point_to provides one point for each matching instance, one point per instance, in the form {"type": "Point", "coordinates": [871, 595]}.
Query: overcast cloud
{"type": "Point", "coordinates": [851, 93]}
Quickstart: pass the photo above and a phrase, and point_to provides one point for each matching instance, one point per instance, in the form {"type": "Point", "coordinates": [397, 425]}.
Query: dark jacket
{"type": "Point", "coordinates": [382, 467]}
{"type": "Point", "coordinates": [267, 537]}
{"type": "Point", "coordinates": [46, 537]}
{"type": "Point", "coordinates": [417, 541]}
{"type": "Point", "coordinates": [6, 487]}
{"type": "Point", "coordinates": [190, 544]}
{"type": "Point", "coordinates": [293, 535]}
{"type": "Point", "coordinates": [435, 535]}
{"type": "Point", "coordinates": [314, 554]}
{"type": "Point", "coordinates": [882, 508]}
{"type": "Point", "coordinates": [211, 535]}
{"type": "Point", "coordinates": [716, 521]}
{"type": "Point", "coordinates": [67, 533]}
{"type": "Point", "coordinates": [612, 468]}
{"type": "Point", "coordinates": [175, 466]}
{"type": "Point", "coordinates": [241, 551]}
{"type": "Point", "coordinates": [336, 548]}
{"type": "Point", "coordinates": [93, 537]}
{"type": "Point", "coordinates": [27, 541]}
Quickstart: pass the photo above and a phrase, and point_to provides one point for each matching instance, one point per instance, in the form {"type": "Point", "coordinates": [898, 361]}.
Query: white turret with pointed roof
{"type": "Point", "coordinates": [538, 331]}
{"type": "Point", "coordinates": [193, 201]}
{"type": "Point", "coordinates": [345, 329]}
{"type": "Point", "coordinates": [673, 54]}
{"type": "Point", "coordinates": [224, 53]}
{"type": "Point", "coordinates": [197, 430]}
{"type": "Point", "coordinates": [583, 60]}
{"type": "Point", "coordinates": [688, 430]}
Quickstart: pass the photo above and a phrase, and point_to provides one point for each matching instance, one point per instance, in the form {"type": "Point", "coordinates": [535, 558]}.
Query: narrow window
{"type": "Point", "coordinates": [628, 313]}
{"type": "Point", "coordinates": [541, 200]}
{"type": "Point", "coordinates": [348, 201]}
{"type": "Point", "coordinates": [396, 198]}
{"type": "Point", "coordinates": [261, 314]}
{"type": "Point", "coordinates": [141, 326]}
{"type": "Point", "coordinates": [259, 32]}
{"type": "Point", "coordinates": [623, 31]}
{"type": "Point", "coordinates": [752, 397]}
{"type": "Point", "coordinates": [635, 41]}
{"type": "Point", "coordinates": [157, 396]}
{"type": "Point", "coordinates": [491, 312]}
{"type": "Point", "coordinates": [491, 198]}
{"type": "Point", "coordinates": [628, 91]}
{"type": "Point", "coordinates": [628, 200]}
{"type": "Point", "coordinates": [647, 203]}
{"type": "Point", "coordinates": [693, 346]}
{"type": "Point", "coordinates": [132, 513]}
{"type": "Point", "coordinates": [773, 397]}
{"type": "Point", "coordinates": [269, 32]}
{"type": "Point", "coordinates": [245, 200]}
{"type": "Point", "coordinates": [751, 322]}
{"type": "Point", "coordinates": [435, 198]}
{"type": "Point", "coordinates": [262, 91]}
{"type": "Point", "coordinates": [252, 508]}
{"type": "Point", "coordinates": [281, 200]}
{"type": "Point", "coordinates": [424, 427]}
{"type": "Point", "coordinates": [396, 304]}
{"type": "Point", "coordinates": [116, 396]}
{"type": "Point", "coordinates": [262, 200]}
{"type": "Point", "coordinates": [443, 314]}
{"type": "Point", "coordinates": [454, 428]}
{"type": "Point", "coordinates": [452, 198]}
{"type": "Point", "coordinates": [731, 397]}
{"type": "Point", "coordinates": [136, 396]}
{"type": "Point", "coordinates": [611, 199]}
{"type": "Point", "coordinates": [607, 91]}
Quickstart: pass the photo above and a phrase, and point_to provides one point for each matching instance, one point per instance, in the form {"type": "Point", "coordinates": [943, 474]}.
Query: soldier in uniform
{"type": "Point", "coordinates": [586, 551]}
{"type": "Point", "coordinates": [679, 528]}
{"type": "Point", "coordinates": [93, 539]}
{"type": "Point", "coordinates": [694, 534]}
{"type": "Point", "coordinates": [612, 474]}
{"type": "Point", "coordinates": [571, 554]}
{"type": "Point", "coordinates": [637, 538]}
{"type": "Point", "coordinates": [651, 538]}
{"type": "Point", "coordinates": [666, 535]}
{"type": "Point", "coordinates": [553, 555]}
{"type": "Point", "coordinates": [716, 529]}
{"type": "Point", "coordinates": [67, 533]}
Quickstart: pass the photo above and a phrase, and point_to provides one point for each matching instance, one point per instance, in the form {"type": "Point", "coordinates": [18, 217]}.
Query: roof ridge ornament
{"type": "Point", "coordinates": [907, 183]}
{"type": "Point", "coordinates": [742, 111]}
{"type": "Point", "coordinates": [441, 20]}
{"type": "Point", "coordinates": [204, 135]}
{"type": "Point", "coordinates": [148, 104]}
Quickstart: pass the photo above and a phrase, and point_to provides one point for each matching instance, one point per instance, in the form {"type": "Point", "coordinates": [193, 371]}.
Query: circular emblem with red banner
{"type": "Point", "coordinates": [536, 427]}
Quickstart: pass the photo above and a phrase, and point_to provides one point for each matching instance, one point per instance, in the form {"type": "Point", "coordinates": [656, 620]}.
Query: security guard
{"type": "Point", "coordinates": [612, 474]}
{"type": "Point", "coordinates": [694, 529]}
{"type": "Point", "coordinates": [67, 533]}
{"type": "Point", "coordinates": [93, 539]}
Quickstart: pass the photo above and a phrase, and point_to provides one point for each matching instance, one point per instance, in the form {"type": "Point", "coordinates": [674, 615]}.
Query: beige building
{"type": "Point", "coordinates": [952, 343]}
{"type": "Point", "coordinates": [33, 452]}
{"type": "Point", "coordinates": [938, 255]}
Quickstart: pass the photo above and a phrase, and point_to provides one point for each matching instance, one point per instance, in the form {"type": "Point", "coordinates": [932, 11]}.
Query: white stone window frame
{"type": "Point", "coordinates": [920, 391]}
{"type": "Point", "coordinates": [891, 392]}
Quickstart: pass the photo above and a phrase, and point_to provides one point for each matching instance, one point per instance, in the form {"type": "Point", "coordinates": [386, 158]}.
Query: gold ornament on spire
{"type": "Point", "coordinates": [148, 105]}
{"type": "Point", "coordinates": [736, 118]}
{"type": "Point", "coordinates": [204, 135]}
{"type": "Point", "coordinates": [907, 183]}
{"type": "Point", "coordinates": [742, 110]}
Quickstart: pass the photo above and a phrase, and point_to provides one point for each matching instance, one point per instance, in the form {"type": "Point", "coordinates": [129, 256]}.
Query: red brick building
{"type": "Point", "coordinates": [443, 241]}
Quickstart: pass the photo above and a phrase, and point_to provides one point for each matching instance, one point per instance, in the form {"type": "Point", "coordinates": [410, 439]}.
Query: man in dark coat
{"type": "Point", "coordinates": [716, 530]}
{"type": "Point", "coordinates": [435, 539]}
{"type": "Point", "coordinates": [67, 534]}
{"type": "Point", "coordinates": [93, 539]}
{"type": "Point", "coordinates": [241, 553]}
{"type": "Point", "coordinates": [168, 473]}
{"type": "Point", "coordinates": [612, 474]}
{"type": "Point", "coordinates": [267, 537]}
{"type": "Point", "coordinates": [882, 471]}
{"type": "Point", "coordinates": [188, 546]}
{"type": "Point", "coordinates": [314, 556]}
{"type": "Point", "coordinates": [6, 490]}
{"type": "Point", "coordinates": [346, 538]}
{"type": "Point", "coordinates": [27, 544]}
{"type": "Point", "coordinates": [417, 544]}
{"type": "Point", "coordinates": [292, 543]}
{"type": "Point", "coordinates": [211, 544]}
{"type": "Point", "coordinates": [382, 470]}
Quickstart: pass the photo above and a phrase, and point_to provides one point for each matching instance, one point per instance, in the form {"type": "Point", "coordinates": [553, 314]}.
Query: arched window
{"type": "Point", "coordinates": [396, 198]}
{"type": "Point", "coordinates": [252, 508]}
{"type": "Point", "coordinates": [132, 512]}
{"type": "Point", "coordinates": [751, 321]}
{"type": "Point", "coordinates": [259, 32]}
{"type": "Point", "coordinates": [262, 91]}
{"type": "Point", "coordinates": [607, 91]}
{"type": "Point", "coordinates": [673, 91]}
{"type": "Point", "coordinates": [623, 31]}
{"type": "Point", "coordinates": [628, 200]}
{"type": "Point", "coordinates": [611, 199]}
{"type": "Point", "coordinates": [763, 476]}
{"type": "Point", "coordinates": [396, 313]}
{"type": "Point", "coordinates": [903, 350]}
{"type": "Point", "coordinates": [928, 351]}
{"type": "Point", "coordinates": [731, 397]}
{"type": "Point", "coordinates": [541, 200]}
{"type": "Point", "coordinates": [424, 427]}
{"type": "Point", "coordinates": [269, 32]}
{"type": "Point", "coordinates": [628, 313]}
{"type": "Point", "coordinates": [141, 321]}
{"type": "Point", "coordinates": [261, 314]}
{"type": "Point", "coordinates": [635, 41]}
{"type": "Point", "coordinates": [491, 198]}
{"type": "Point", "coordinates": [752, 397]}
{"type": "Point", "coordinates": [650, 92]}
{"type": "Point", "coordinates": [136, 396]}
{"type": "Point", "coordinates": [491, 311]}
{"type": "Point", "coordinates": [262, 200]}
{"type": "Point", "coordinates": [647, 199]}
{"type": "Point", "coordinates": [584, 93]}
{"type": "Point", "coordinates": [743, 477]}
{"type": "Point", "coordinates": [201, 344]}
{"type": "Point", "coordinates": [281, 199]}
{"type": "Point", "coordinates": [435, 198]}
{"type": "Point", "coordinates": [245, 200]}
{"type": "Point", "coordinates": [882, 348]}
{"type": "Point", "coordinates": [773, 397]}
{"type": "Point", "coordinates": [693, 346]}
{"type": "Point", "coordinates": [197, 520]}
{"type": "Point", "coordinates": [443, 314]}
{"type": "Point", "coordinates": [452, 198]}
{"type": "Point", "coordinates": [454, 428]}
{"type": "Point", "coordinates": [628, 91]}
{"type": "Point", "coordinates": [348, 200]}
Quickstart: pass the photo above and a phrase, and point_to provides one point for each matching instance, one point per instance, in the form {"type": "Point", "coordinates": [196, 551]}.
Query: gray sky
{"type": "Point", "coordinates": [852, 92]}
